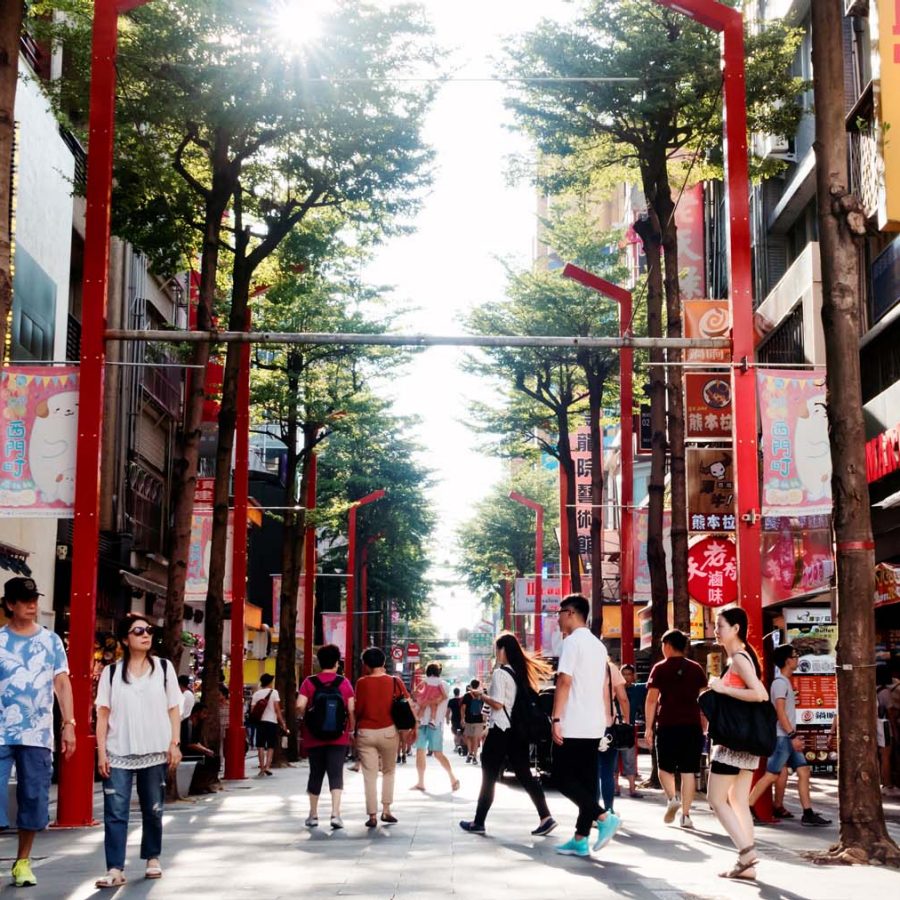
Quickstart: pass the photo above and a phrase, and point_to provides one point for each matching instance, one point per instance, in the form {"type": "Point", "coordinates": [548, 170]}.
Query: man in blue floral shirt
{"type": "Point", "coordinates": [33, 667]}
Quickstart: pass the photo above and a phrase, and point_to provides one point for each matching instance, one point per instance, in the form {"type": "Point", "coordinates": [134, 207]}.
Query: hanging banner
{"type": "Point", "coordinates": [797, 557]}
{"type": "Point", "coordinates": [334, 629]}
{"type": "Point", "coordinates": [581, 456]}
{"type": "Point", "coordinates": [885, 30]}
{"type": "Point", "coordinates": [641, 566]}
{"type": "Point", "coordinates": [707, 406]}
{"type": "Point", "coordinates": [691, 239]}
{"type": "Point", "coordinates": [706, 319]}
{"type": "Point", "coordinates": [710, 490]}
{"type": "Point", "coordinates": [39, 405]}
{"type": "Point", "coordinates": [276, 606]}
{"type": "Point", "coordinates": [197, 578]}
{"type": "Point", "coordinates": [712, 571]}
{"type": "Point", "coordinates": [796, 476]}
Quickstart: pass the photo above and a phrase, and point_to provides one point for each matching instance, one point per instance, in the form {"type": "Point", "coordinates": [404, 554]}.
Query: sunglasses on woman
{"type": "Point", "coordinates": [141, 630]}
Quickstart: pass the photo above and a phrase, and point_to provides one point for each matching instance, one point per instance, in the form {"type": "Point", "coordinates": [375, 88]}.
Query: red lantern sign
{"type": "Point", "coordinates": [712, 571]}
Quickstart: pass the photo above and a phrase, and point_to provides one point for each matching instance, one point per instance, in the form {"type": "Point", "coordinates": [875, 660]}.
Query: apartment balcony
{"type": "Point", "coordinates": [865, 162]}
{"type": "Point", "coordinates": [161, 381]}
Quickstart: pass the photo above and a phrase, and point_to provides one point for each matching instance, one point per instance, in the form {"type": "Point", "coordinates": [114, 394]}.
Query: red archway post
{"type": "Point", "coordinates": [730, 23]}
{"type": "Point", "coordinates": [351, 577]}
{"type": "Point", "coordinates": [235, 737]}
{"type": "Point", "coordinates": [309, 567]}
{"type": "Point", "coordinates": [538, 564]}
{"type": "Point", "coordinates": [626, 441]}
{"type": "Point", "coordinates": [76, 782]}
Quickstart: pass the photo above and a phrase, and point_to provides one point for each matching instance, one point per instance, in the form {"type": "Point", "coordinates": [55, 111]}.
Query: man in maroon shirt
{"type": "Point", "coordinates": [672, 691]}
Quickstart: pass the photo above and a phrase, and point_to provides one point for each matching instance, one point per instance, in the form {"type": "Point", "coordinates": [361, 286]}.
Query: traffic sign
{"type": "Point", "coordinates": [412, 650]}
{"type": "Point", "coordinates": [397, 653]}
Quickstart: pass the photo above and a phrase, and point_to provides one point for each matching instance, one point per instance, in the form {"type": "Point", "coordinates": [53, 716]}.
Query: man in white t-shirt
{"type": "Point", "coordinates": [579, 724]}
{"type": "Point", "coordinates": [268, 724]}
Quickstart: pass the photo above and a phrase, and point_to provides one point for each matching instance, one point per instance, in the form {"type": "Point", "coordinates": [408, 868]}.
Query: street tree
{"type": "Point", "coordinates": [657, 122]}
{"type": "Point", "coordinates": [842, 221]}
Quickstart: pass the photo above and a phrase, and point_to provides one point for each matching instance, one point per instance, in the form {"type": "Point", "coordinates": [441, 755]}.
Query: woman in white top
{"type": "Point", "coordinates": [138, 729]}
{"type": "Point", "coordinates": [515, 669]}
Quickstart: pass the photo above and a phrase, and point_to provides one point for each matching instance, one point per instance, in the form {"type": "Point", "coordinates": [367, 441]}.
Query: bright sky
{"type": "Point", "coordinates": [470, 219]}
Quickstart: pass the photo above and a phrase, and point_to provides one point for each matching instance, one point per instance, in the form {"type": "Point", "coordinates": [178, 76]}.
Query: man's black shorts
{"type": "Point", "coordinates": [678, 748]}
{"type": "Point", "coordinates": [266, 735]}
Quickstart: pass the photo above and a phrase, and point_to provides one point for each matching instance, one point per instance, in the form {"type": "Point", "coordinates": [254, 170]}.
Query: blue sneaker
{"type": "Point", "coordinates": [606, 829]}
{"type": "Point", "coordinates": [575, 847]}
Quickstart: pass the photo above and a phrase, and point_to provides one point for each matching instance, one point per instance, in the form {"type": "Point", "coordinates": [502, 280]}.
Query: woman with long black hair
{"type": "Point", "coordinates": [138, 735]}
{"type": "Point", "coordinates": [516, 670]}
{"type": "Point", "coordinates": [731, 771]}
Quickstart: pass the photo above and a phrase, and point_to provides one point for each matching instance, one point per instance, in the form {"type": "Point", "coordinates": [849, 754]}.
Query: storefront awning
{"type": "Point", "coordinates": [142, 584]}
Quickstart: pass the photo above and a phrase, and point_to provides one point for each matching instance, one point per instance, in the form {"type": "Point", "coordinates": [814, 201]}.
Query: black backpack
{"type": "Point", "coordinates": [326, 717]}
{"type": "Point", "coordinates": [474, 710]}
{"type": "Point", "coordinates": [527, 719]}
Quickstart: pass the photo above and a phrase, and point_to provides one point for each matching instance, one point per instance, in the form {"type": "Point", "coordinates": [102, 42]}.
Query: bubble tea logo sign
{"type": "Point", "coordinates": [707, 319]}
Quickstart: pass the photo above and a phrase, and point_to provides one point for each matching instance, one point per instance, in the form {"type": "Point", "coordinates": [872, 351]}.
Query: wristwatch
{"type": "Point", "coordinates": [69, 722]}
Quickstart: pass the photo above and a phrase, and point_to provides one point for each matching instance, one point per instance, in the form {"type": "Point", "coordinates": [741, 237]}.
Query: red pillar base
{"type": "Point", "coordinates": [235, 754]}
{"type": "Point", "coordinates": [71, 812]}
{"type": "Point", "coordinates": [764, 808]}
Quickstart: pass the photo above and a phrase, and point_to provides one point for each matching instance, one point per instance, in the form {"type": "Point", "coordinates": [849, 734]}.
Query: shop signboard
{"type": "Point", "coordinates": [813, 635]}
{"type": "Point", "coordinates": [885, 30]}
{"type": "Point", "coordinates": [707, 319]}
{"type": "Point", "coordinates": [645, 623]}
{"type": "Point", "coordinates": [797, 557]}
{"type": "Point", "coordinates": [707, 406]}
{"type": "Point", "coordinates": [689, 221]}
{"type": "Point", "coordinates": [887, 584]}
{"type": "Point", "coordinates": [712, 571]}
{"type": "Point", "coordinates": [796, 477]}
{"type": "Point", "coordinates": [710, 489]}
{"type": "Point", "coordinates": [645, 432]}
{"type": "Point", "coordinates": [39, 406]}
{"type": "Point", "coordinates": [886, 280]}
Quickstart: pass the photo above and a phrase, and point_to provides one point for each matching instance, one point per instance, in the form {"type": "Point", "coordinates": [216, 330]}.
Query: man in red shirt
{"type": "Point", "coordinates": [672, 691]}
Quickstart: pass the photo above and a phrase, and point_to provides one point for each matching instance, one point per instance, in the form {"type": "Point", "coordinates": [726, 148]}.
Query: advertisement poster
{"type": "Point", "coordinates": [710, 489]}
{"type": "Point", "coordinates": [39, 405]}
{"type": "Point", "coordinates": [887, 584]}
{"type": "Point", "coordinates": [796, 475]}
{"type": "Point", "coordinates": [276, 606]}
{"type": "Point", "coordinates": [334, 629]}
{"type": "Point", "coordinates": [707, 406]}
{"type": "Point", "coordinates": [644, 623]}
{"type": "Point", "coordinates": [691, 238]}
{"type": "Point", "coordinates": [712, 571]}
{"type": "Point", "coordinates": [813, 635]}
{"type": "Point", "coordinates": [641, 566]}
{"type": "Point", "coordinates": [197, 579]}
{"type": "Point", "coordinates": [797, 557]}
{"type": "Point", "coordinates": [707, 319]}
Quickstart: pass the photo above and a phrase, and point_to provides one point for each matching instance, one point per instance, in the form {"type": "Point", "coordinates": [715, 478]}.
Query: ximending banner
{"type": "Point", "coordinates": [796, 478]}
{"type": "Point", "coordinates": [39, 406]}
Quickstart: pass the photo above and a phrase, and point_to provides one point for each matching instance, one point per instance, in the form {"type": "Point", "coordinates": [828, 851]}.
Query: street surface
{"type": "Point", "coordinates": [249, 841]}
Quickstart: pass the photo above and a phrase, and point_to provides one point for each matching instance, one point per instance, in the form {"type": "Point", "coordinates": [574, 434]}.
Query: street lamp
{"type": "Point", "coordinates": [626, 402]}
{"type": "Point", "coordinates": [538, 563]}
{"type": "Point", "coordinates": [351, 575]}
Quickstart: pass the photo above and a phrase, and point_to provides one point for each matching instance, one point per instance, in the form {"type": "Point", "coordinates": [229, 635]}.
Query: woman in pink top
{"type": "Point", "coordinates": [731, 771]}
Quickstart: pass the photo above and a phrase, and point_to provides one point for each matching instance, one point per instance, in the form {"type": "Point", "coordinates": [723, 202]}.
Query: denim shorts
{"type": "Point", "coordinates": [430, 738]}
{"type": "Point", "coordinates": [785, 755]}
{"type": "Point", "coordinates": [33, 769]}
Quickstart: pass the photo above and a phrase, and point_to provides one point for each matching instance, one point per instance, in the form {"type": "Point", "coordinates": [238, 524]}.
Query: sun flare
{"type": "Point", "coordinates": [298, 23]}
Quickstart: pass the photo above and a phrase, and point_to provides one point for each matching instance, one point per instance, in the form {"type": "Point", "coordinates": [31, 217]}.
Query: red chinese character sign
{"type": "Point", "coordinates": [39, 406]}
{"type": "Point", "coordinates": [712, 571]}
{"type": "Point", "coordinates": [707, 406]}
{"type": "Point", "coordinates": [796, 478]}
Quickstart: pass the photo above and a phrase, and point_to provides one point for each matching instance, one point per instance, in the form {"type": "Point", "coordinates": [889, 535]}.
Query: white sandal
{"type": "Point", "coordinates": [111, 880]}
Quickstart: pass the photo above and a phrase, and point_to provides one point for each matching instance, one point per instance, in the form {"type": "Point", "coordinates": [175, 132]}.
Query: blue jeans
{"type": "Point", "coordinates": [606, 776]}
{"type": "Point", "coordinates": [151, 788]}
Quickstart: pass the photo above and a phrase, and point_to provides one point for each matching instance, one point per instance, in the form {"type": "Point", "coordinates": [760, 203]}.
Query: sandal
{"type": "Point", "coordinates": [111, 880]}
{"type": "Point", "coordinates": [742, 866]}
{"type": "Point", "coordinates": [153, 872]}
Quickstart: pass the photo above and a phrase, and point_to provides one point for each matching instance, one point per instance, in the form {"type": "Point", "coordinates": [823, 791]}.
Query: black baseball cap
{"type": "Point", "coordinates": [20, 589]}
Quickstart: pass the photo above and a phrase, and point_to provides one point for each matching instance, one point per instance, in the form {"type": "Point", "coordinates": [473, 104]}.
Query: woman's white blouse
{"type": "Point", "coordinates": [503, 688]}
{"type": "Point", "coordinates": [139, 721]}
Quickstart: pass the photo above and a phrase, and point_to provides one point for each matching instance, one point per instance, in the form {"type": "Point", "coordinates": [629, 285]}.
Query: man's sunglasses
{"type": "Point", "coordinates": [141, 630]}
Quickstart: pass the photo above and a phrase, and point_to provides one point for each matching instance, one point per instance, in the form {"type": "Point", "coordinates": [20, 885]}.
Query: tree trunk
{"type": "Point", "coordinates": [564, 449]}
{"type": "Point", "coordinates": [863, 835]}
{"type": "Point", "coordinates": [184, 470]}
{"type": "Point", "coordinates": [665, 211]}
{"type": "Point", "coordinates": [649, 232]}
{"type": "Point", "coordinates": [11, 12]}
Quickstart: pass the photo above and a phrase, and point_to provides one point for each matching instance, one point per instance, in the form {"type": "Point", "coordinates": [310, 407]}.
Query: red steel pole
{"type": "Point", "coordinates": [309, 565]}
{"type": "Point", "coordinates": [565, 569]}
{"type": "Point", "coordinates": [507, 606]}
{"type": "Point", "coordinates": [364, 594]}
{"type": "Point", "coordinates": [76, 783]}
{"type": "Point", "coordinates": [235, 738]}
{"type": "Point", "coordinates": [538, 564]}
{"type": "Point", "coordinates": [744, 439]}
{"type": "Point", "coordinates": [351, 576]}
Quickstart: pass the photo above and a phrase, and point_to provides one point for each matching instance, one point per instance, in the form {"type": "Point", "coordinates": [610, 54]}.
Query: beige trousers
{"type": "Point", "coordinates": [373, 744]}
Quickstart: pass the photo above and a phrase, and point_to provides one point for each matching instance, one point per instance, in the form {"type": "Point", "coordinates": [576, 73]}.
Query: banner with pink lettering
{"type": "Point", "coordinates": [796, 477]}
{"type": "Point", "coordinates": [39, 405]}
{"type": "Point", "coordinates": [334, 629]}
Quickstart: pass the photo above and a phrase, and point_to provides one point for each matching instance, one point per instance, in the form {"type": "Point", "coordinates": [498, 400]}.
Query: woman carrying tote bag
{"type": "Point", "coordinates": [138, 730]}
{"type": "Point", "coordinates": [731, 771]}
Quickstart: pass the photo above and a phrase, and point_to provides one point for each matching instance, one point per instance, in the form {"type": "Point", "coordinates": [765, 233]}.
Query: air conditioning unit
{"type": "Point", "coordinates": [856, 7]}
{"type": "Point", "coordinates": [777, 147]}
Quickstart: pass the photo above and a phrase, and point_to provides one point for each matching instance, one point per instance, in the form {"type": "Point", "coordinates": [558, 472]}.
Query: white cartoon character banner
{"type": "Point", "coordinates": [39, 406]}
{"type": "Point", "coordinates": [796, 478]}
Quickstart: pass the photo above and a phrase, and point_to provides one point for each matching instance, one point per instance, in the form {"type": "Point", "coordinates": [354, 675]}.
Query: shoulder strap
{"type": "Point", "coordinates": [112, 672]}
{"type": "Point", "coordinates": [165, 667]}
{"type": "Point", "coordinates": [317, 682]}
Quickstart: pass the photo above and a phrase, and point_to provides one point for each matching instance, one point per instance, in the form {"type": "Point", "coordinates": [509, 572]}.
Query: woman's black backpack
{"type": "Point", "coordinates": [527, 719]}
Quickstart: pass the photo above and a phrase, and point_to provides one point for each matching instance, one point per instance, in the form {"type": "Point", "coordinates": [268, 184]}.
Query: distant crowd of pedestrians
{"type": "Point", "coordinates": [146, 716]}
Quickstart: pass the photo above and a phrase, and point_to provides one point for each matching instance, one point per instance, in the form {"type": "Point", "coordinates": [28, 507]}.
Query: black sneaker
{"type": "Point", "coordinates": [545, 827]}
{"type": "Point", "coordinates": [813, 819]}
{"type": "Point", "coordinates": [474, 827]}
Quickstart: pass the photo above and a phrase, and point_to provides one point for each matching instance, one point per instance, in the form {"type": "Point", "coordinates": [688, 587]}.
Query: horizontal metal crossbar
{"type": "Point", "coordinates": [416, 340]}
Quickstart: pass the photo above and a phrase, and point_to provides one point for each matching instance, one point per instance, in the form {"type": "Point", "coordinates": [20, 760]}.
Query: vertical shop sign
{"type": "Point", "coordinates": [710, 489]}
{"type": "Point", "coordinates": [689, 221]}
{"type": "Point", "coordinates": [706, 319]}
{"type": "Point", "coordinates": [885, 31]}
{"type": "Point", "coordinates": [712, 571]}
{"type": "Point", "coordinates": [707, 406]}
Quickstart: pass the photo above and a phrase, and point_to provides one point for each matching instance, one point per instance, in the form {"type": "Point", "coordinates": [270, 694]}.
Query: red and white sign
{"type": "Point", "coordinates": [397, 653]}
{"type": "Point", "coordinates": [707, 319]}
{"type": "Point", "coordinates": [412, 650]}
{"type": "Point", "coordinates": [712, 571]}
{"type": "Point", "coordinates": [707, 406]}
{"type": "Point", "coordinates": [883, 454]}
{"type": "Point", "coordinates": [689, 221]}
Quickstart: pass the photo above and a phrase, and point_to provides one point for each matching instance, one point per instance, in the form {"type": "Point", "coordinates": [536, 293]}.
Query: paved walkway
{"type": "Point", "coordinates": [249, 841]}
